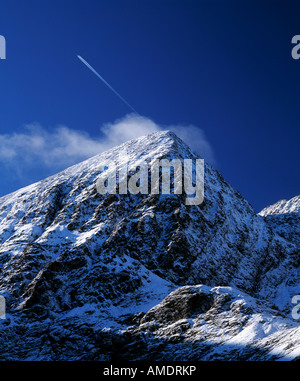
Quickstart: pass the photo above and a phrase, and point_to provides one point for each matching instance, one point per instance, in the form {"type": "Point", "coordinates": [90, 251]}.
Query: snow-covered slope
{"type": "Point", "coordinates": [219, 323]}
{"type": "Point", "coordinates": [284, 219]}
{"type": "Point", "coordinates": [78, 266]}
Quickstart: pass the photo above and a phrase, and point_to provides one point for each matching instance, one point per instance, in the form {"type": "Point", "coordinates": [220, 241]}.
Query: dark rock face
{"type": "Point", "coordinates": [76, 266]}
{"type": "Point", "coordinates": [183, 303]}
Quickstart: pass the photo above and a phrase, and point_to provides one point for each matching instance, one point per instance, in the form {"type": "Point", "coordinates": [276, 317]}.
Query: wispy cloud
{"type": "Point", "coordinates": [60, 147]}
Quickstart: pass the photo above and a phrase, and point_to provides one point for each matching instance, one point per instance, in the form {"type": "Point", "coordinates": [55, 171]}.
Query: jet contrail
{"type": "Point", "coordinates": [107, 84]}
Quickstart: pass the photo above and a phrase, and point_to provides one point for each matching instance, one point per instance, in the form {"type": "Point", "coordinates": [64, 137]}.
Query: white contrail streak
{"type": "Point", "coordinates": [107, 84]}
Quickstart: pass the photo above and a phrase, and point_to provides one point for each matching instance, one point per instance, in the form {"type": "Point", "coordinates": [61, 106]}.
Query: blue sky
{"type": "Point", "coordinates": [221, 70]}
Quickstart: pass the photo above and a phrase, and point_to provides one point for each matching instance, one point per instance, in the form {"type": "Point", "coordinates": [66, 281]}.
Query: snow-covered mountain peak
{"type": "Point", "coordinates": [155, 145]}
{"type": "Point", "coordinates": [77, 265]}
{"type": "Point", "coordinates": [283, 207]}
{"type": "Point", "coordinates": [284, 218]}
